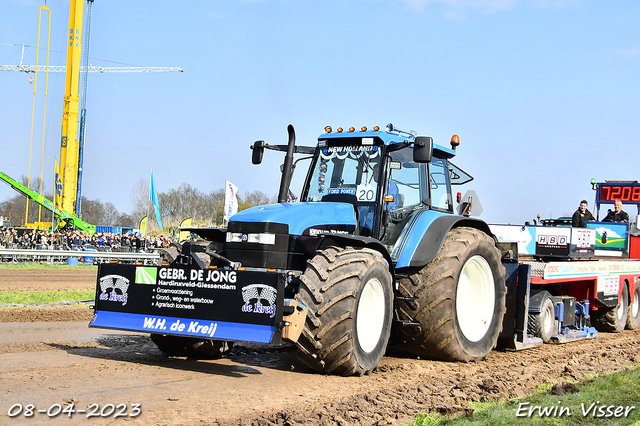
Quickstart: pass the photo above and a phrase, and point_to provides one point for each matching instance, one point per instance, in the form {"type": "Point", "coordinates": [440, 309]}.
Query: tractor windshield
{"type": "Point", "coordinates": [345, 173]}
{"type": "Point", "coordinates": [348, 174]}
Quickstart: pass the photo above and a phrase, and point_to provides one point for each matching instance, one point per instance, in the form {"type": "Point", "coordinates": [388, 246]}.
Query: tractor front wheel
{"type": "Point", "coordinates": [348, 294]}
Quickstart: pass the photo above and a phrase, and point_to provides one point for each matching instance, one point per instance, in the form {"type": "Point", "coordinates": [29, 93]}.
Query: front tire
{"type": "Point", "coordinates": [348, 294]}
{"type": "Point", "coordinates": [459, 300]}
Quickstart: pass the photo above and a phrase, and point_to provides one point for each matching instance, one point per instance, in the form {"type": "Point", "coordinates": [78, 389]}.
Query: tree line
{"type": "Point", "coordinates": [175, 205]}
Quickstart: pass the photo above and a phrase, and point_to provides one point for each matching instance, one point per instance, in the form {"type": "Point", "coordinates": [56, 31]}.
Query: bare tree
{"type": "Point", "coordinates": [215, 206]}
{"type": "Point", "coordinates": [14, 207]}
{"type": "Point", "coordinates": [140, 199]}
{"type": "Point", "coordinates": [258, 198]}
{"type": "Point", "coordinates": [175, 205]}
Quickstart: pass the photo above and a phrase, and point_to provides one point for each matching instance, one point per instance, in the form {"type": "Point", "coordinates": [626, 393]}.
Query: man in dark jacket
{"type": "Point", "coordinates": [581, 215]}
{"type": "Point", "coordinates": [618, 215]}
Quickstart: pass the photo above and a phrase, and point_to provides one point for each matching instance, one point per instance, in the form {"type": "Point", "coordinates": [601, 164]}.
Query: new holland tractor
{"type": "Point", "coordinates": [373, 251]}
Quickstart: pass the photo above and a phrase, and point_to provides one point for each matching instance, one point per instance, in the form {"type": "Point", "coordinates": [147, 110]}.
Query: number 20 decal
{"type": "Point", "coordinates": [366, 193]}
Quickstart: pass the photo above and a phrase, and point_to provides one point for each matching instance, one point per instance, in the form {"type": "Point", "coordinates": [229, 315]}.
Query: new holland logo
{"type": "Point", "coordinates": [146, 275]}
{"type": "Point", "coordinates": [114, 288]}
{"type": "Point", "coordinates": [259, 293]}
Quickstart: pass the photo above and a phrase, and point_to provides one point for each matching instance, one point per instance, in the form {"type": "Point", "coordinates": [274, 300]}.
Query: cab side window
{"type": "Point", "coordinates": [405, 182]}
{"type": "Point", "coordinates": [439, 185]}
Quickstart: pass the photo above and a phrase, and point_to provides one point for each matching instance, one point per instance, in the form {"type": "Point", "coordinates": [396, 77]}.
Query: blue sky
{"type": "Point", "coordinates": [544, 94]}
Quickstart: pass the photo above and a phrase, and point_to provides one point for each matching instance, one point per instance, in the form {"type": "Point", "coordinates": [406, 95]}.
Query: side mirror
{"type": "Point", "coordinates": [258, 152]}
{"type": "Point", "coordinates": [423, 149]}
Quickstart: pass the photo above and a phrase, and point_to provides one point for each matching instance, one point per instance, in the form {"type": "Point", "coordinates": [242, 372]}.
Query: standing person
{"type": "Point", "coordinates": [77, 241]}
{"type": "Point", "coordinates": [617, 215]}
{"type": "Point", "coordinates": [581, 215]}
{"type": "Point", "coordinates": [126, 243]}
{"type": "Point", "coordinates": [136, 243]}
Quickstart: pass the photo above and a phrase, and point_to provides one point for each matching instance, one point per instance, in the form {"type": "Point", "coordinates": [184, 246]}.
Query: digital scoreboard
{"type": "Point", "coordinates": [625, 192]}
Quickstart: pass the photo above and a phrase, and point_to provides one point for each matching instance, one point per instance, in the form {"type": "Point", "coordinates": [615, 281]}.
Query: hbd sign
{"type": "Point", "coordinates": [553, 241]}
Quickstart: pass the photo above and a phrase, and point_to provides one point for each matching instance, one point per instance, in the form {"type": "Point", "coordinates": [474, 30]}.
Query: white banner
{"type": "Point", "coordinates": [230, 200]}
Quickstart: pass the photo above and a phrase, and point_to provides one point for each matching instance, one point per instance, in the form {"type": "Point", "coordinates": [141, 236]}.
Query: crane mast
{"type": "Point", "coordinates": [83, 108]}
{"type": "Point", "coordinates": [69, 146]}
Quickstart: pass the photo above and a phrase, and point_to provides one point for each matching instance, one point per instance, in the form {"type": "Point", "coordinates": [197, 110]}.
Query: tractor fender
{"type": "Point", "coordinates": [422, 239]}
{"type": "Point", "coordinates": [344, 240]}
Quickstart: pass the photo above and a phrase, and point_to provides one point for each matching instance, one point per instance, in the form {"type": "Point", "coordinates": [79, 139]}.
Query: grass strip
{"type": "Point", "coordinates": [612, 399]}
{"type": "Point", "coordinates": [47, 296]}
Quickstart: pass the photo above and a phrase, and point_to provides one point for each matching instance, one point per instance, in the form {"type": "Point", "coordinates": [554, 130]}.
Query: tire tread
{"type": "Point", "coordinates": [433, 289]}
{"type": "Point", "coordinates": [329, 289]}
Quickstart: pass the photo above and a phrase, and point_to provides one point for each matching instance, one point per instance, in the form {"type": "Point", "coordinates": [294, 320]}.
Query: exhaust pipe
{"type": "Point", "coordinates": [287, 167]}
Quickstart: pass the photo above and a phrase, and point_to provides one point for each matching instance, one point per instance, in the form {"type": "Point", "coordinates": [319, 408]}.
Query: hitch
{"type": "Point", "coordinates": [293, 320]}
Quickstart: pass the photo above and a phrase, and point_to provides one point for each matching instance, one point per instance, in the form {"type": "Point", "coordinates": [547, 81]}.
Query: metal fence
{"type": "Point", "coordinates": [88, 255]}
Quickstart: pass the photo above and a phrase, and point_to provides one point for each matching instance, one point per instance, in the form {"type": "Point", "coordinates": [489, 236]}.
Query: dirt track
{"type": "Point", "coordinates": [59, 360]}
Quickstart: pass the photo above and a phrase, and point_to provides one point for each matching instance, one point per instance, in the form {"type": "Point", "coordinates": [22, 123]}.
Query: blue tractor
{"type": "Point", "coordinates": [373, 251]}
{"type": "Point", "coordinates": [381, 249]}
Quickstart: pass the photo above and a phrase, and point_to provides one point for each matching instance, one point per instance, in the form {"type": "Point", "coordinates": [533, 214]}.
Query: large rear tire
{"type": "Point", "coordinates": [613, 319]}
{"type": "Point", "coordinates": [189, 347]}
{"type": "Point", "coordinates": [348, 293]}
{"type": "Point", "coordinates": [633, 317]}
{"type": "Point", "coordinates": [459, 300]}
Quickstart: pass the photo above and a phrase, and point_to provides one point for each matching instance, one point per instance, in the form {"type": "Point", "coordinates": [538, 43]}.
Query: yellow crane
{"type": "Point", "coordinates": [69, 146]}
{"type": "Point", "coordinates": [68, 176]}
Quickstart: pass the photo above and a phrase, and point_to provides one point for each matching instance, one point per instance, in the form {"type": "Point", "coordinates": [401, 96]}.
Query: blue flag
{"type": "Point", "coordinates": [154, 197]}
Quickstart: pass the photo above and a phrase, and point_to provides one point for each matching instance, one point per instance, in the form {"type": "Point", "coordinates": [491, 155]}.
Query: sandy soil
{"type": "Point", "coordinates": [80, 278]}
{"type": "Point", "coordinates": [49, 356]}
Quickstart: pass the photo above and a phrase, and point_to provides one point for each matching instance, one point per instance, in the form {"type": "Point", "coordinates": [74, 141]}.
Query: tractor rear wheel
{"type": "Point", "coordinates": [459, 300]}
{"type": "Point", "coordinates": [613, 319]}
{"type": "Point", "coordinates": [348, 294]}
{"type": "Point", "coordinates": [541, 324]}
{"type": "Point", "coordinates": [189, 347]}
{"type": "Point", "coordinates": [633, 317]}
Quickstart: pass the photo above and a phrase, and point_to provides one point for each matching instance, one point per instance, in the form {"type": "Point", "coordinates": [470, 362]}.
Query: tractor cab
{"type": "Point", "coordinates": [369, 184]}
{"type": "Point", "coordinates": [387, 177]}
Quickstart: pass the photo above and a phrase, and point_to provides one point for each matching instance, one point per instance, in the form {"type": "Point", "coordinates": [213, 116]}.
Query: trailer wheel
{"type": "Point", "coordinates": [541, 324]}
{"type": "Point", "coordinates": [613, 319]}
{"type": "Point", "coordinates": [348, 294]}
{"type": "Point", "coordinates": [189, 347]}
{"type": "Point", "coordinates": [459, 300]}
{"type": "Point", "coordinates": [633, 317]}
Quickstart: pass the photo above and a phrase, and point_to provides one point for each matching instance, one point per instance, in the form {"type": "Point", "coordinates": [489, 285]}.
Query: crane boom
{"type": "Point", "coordinates": [92, 68]}
{"type": "Point", "coordinates": [61, 214]}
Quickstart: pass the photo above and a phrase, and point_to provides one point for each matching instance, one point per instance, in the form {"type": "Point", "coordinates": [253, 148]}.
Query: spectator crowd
{"type": "Point", "coordinates": [11, 238]}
